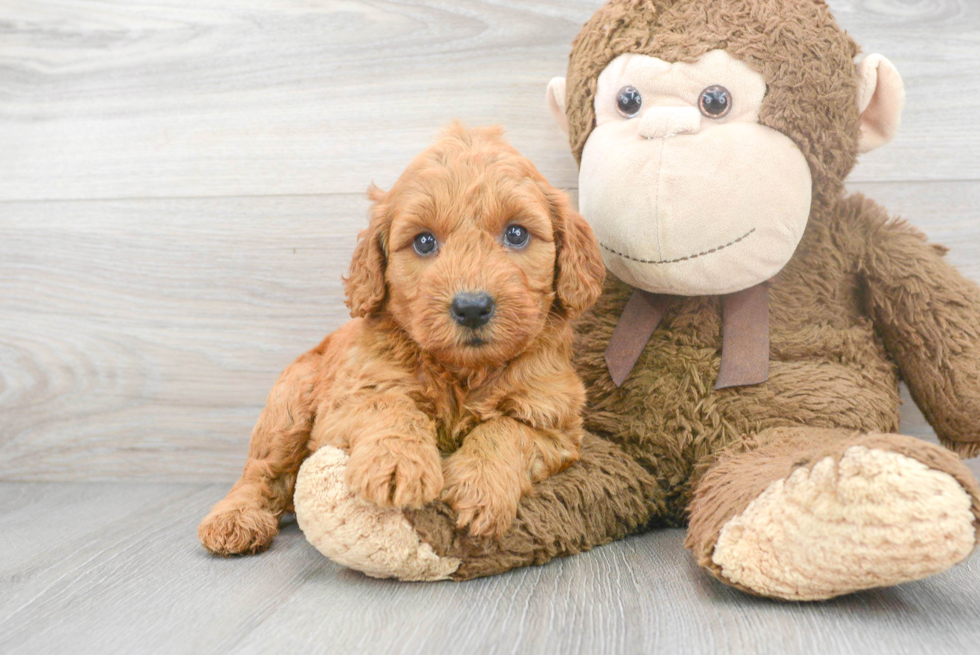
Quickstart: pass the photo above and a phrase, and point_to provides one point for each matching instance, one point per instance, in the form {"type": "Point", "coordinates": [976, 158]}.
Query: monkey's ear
{"type": "Point", "coordinates": [880, 96]}
{"type": "Point", "coordinates": [556, 102]}
{"type": "Point", "coordinates": [579, 271]}
{"type": "Point", "coordinates": [365, 283]}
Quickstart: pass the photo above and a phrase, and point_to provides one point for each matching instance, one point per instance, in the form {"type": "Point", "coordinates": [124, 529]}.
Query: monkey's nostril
{"type": "Point", "coordinates": [472, 310]}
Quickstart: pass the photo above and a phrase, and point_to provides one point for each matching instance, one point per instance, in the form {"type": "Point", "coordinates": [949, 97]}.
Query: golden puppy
{"type": "Point", "coordinates": [462, 288]}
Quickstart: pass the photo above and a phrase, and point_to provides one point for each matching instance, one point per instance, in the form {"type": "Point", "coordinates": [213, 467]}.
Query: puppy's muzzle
{"type": "Point", "coordinates": [472, 310]}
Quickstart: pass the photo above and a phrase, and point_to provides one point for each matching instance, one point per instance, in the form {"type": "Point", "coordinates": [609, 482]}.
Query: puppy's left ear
{"type": "Point", "coordinates": [365, 284]}
{"type": "Point", "coordinates": [579, 271]}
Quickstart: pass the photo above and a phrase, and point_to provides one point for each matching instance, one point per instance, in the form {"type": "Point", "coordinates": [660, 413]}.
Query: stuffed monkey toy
{"type": "Point", "coordinates": [743, 363]}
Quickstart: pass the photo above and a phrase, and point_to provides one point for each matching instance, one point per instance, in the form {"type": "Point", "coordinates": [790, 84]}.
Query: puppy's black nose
{"type": "Point", "coordinates": [472, 309]}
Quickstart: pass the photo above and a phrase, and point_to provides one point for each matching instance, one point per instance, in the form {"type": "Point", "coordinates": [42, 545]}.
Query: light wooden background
{"type": "Point", "coordinates": [181, 184]}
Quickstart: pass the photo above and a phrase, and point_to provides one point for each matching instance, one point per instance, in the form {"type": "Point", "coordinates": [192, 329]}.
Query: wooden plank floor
{"type": "Point", "coordinates": [114, 568]}
{"type": "Point", "coordinates": [180, 187]}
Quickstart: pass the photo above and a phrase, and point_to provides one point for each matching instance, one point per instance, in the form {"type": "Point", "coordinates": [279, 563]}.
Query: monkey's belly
{"type": "Point", "coordinates": [668, 417]}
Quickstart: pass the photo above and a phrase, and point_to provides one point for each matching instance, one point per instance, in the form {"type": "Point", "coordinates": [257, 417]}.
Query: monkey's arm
{"type": "Point", "coordinates": [603, 496]}
{"type": "Point", "coordinates": [929, 317]}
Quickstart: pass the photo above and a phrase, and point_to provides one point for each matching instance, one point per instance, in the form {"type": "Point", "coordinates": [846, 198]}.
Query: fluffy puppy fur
{"type": "Point", "coordinates": [405, 382]}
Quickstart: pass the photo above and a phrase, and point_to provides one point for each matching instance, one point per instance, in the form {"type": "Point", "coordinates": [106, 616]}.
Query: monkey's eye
{"type": "Point", "coordinates": [629, 101]}
{"type": "Point", "coordinates": [516, 236]}
{"type": "Point", "coordinates": [715, 101]}
{"type": "Point", "coordinates": [425, 244]}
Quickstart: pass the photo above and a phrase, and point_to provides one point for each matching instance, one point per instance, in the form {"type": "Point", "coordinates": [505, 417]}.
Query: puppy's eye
{"type": "Point", "coordinates": [425, 244]}
{"type": "Point", "coordinates": [629, 101]}
{"type": "Point", "coordinates": [715, 101]}
{"type": "Point", "coordinates": [516, 236]}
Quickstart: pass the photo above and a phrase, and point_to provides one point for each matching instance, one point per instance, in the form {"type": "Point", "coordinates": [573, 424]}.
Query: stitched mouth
{"type": "Point", "coordinates": [679, 259]}
{"type": "Point", "coordinates": [475, 342]}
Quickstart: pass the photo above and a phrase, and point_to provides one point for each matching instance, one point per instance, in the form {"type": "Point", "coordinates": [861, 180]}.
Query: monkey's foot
{"type": "Point", "coordinates": [357, 534]}
{"type": "Point", "coordinates": [872, 518]}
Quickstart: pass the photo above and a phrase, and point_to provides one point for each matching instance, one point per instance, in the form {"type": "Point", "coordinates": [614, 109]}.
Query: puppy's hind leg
{"type": "Point", "coordinates": [247, 519]}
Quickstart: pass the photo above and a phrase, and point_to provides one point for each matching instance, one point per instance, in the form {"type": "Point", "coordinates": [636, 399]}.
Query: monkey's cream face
{"type": "Point", "coordinates": [687, 193]}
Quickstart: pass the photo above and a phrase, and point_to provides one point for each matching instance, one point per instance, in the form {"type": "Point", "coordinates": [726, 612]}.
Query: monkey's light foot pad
{"type": "Point", "coordinates": [356, 534]}
{"type": "Point", "coordinates": [873, 519]}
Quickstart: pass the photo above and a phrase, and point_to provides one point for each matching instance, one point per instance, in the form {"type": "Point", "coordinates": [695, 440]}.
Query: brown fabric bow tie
{"type": "Point", "coordinates": [745, 335]}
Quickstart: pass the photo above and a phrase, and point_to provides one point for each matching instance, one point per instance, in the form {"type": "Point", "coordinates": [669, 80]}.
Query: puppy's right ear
{"type": "Point", "coordinates": [365, 283]}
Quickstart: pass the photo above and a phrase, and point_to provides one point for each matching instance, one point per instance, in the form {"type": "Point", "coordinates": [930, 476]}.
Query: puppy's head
{"type": "Point", "coordinates": [472, 250]}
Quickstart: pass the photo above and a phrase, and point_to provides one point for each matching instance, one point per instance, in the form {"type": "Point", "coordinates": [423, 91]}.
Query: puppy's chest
{"type": "Point", "coordinates": [452, 433]}
{"type": "Point", "coordinates": [456, 415]}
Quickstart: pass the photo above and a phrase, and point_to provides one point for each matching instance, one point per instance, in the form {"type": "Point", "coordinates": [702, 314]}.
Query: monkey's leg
{"type": "Point", "coordinates": [809, 514]}
{"type": "Point", "coordinates": [602, 497]}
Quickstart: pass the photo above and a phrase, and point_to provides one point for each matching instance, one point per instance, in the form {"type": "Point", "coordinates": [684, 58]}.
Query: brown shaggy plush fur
{"type": "Point", "coordinates": [864, 302]}
{"type": "Point", "coordinates": [403, 380]}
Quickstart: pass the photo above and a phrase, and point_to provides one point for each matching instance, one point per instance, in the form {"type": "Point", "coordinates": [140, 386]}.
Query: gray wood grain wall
{"type": "Point", "coordinates": [181, 184]}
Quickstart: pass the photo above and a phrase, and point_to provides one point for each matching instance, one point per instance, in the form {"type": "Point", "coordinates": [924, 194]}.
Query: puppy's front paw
{"type": "Point", "coordinates": [485, 497]}
{"type": "Point", "coordinates": [395, 473]}
{"type": "Point", "coordinates": [237, 530]}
